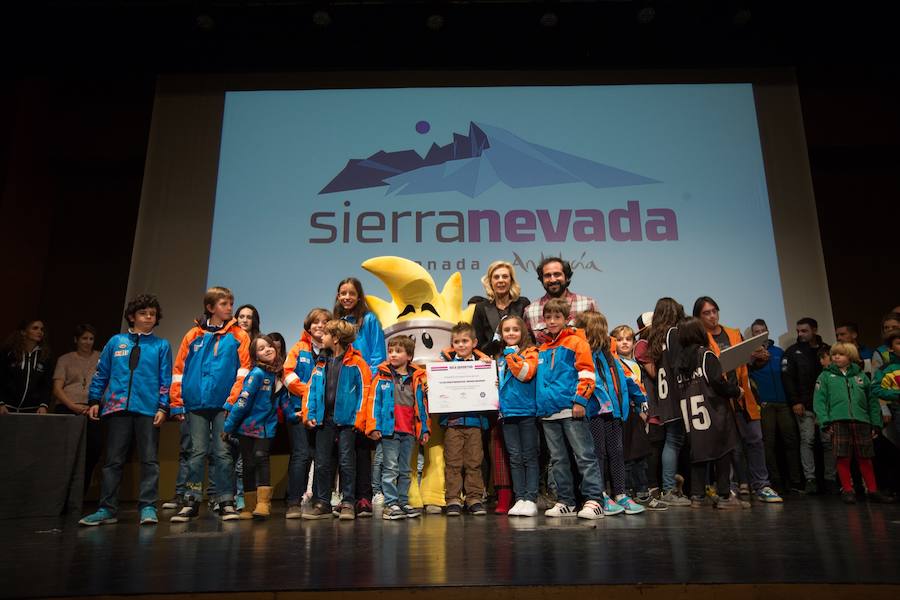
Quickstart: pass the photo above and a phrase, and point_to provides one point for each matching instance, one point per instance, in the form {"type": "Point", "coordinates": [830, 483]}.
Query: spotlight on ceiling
{"type": "Point", "coordinates": [646, 14]}
{"type": "Point", "coordinates": [435, 22]}
{"type": "Point", "coordinates": [741, 17]}
{"type": "Point", "coordinates": [205, 22]}
{"type": "Point", "coordinates": [549, 19]}
{"type": "Point", "coordinates": [321, 18]}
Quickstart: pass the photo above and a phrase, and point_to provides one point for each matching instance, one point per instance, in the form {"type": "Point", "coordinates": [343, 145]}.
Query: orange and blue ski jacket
{"type": "Point", "coordinates": [210, 367]}
{"type": "Point", "coordinates": [352, 390]}
{"type": "Point", "coordinates": [516, 371]}
{"type": "Point", "coordinates": [380, 404]}
{"type": "Point", "coordinates": [565, 372]}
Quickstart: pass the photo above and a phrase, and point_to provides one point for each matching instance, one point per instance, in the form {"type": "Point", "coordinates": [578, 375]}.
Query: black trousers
{"type": "Point", "coordinates": [722, 468]}
{"type": "Point", "coordinates": [255, 452]}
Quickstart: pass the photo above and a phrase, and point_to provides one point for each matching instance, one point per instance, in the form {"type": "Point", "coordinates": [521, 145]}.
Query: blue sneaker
{"type": "Point", "coordinates": [630, 506]}
{"type": "Point", "coordinates": [148, 516]}
{"type": "Point", "coordinates": [103, 516]}
{"type": "Point", "coordinates": [767, 494]}
{"type": "Point", "coordinates": [610, 508]}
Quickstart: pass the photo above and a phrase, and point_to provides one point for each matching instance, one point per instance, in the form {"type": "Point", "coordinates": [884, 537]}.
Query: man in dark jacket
{"type": "Point", "coordinates": [801, 368]}
{"type": "Point", "coordinates": [775, 411]}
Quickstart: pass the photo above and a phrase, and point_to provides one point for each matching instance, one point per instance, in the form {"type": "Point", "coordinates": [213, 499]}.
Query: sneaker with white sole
{"type": "Point", "coordinates": [514, 511]}
{"type": "Point", "coordinates": [188, 512]}
{"type": "Point", "coordinates": [768, 495]}
{"type": "Point", "coordinates": [103, 516]}
{"type": "Point", "coordinates": [610, 508]}
{"type": "Point", "coordinates": [656, 504]}
{"type": "Point", "coordinates": [411, 511]}
{"type": "Point", "coordinates": [173, 504]}
{"type": "Point", "coordinates": [393, 513]}
{"type": "Point", "coordinates": [378, 499]}
{"type": "Point", "coordinates": [228, 512]}
{"type": "Point", "coordinates": [149, 516]}
{"type": "Point", "coordinates": [631, 507]}
{"type": "Point", "coordinates": [560, 510]}
{"type": "Point", "coordinates": [590, 510]}
{"type": "Point", "coordinates": [673, 499]}
{"type": "Point", "coordinates": [732, 502]}
{"type": "Point", "coordinates": [433, 509]}
{"type": "Point", "coordinates": [529, 509]}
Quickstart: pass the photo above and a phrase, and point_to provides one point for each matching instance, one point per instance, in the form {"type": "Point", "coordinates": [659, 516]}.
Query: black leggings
{"type": "Point", "coordinates": [722, 467]}
{"type": "Point", "coordinates": [255, 452]}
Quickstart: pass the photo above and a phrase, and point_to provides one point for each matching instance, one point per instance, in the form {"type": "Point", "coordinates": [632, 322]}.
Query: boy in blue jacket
{"type": "Point", "coordinates": [396, 415]}
{"type": "Point", "coordinates": [565, 384]}
{"type": "Point", "coordinates": [776, 414]}
{"type": "Point", "coordinates": [130, 392]}
{"type": "Point", "coordinates": [207, 377]}
{"type": "Point", "coordinates": [334, 407]}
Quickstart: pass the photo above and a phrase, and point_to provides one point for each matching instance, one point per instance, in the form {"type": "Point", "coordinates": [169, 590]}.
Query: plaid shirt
{"type": "Point", "coordinates": [534, 313]}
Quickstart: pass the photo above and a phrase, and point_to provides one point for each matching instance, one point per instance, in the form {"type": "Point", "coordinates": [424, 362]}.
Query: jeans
{"type": "Point", "coordinates": [377, 469]}
{"type": "Point", "coordinates": [397, 452]}
{"type": "Point", "coordinates": [675, 435]}
{"type": "Point", "coordinates": [807, 425]}
{"type": "Point", "coordinates": [576, 432]}
{"type": "Point", "coordinates": [323, 463]}
{"type": "Point", "coordinates": [755, 451]}
{"type": "Point", "coordinates": [184, 456]}
{"type": "Point", "coordinates": [257, 471]}
{"type": "Point", "coordinates": [298, 467]}
{"type": "Point", "coordinates": [122, 427]}
{"type": "Point", "coordinates": [206, 434]}
{"type": "Point", "coordinates": [522, 444]}
{"type": "Point", "coordinates": [778, 422]}
{"type": "Point", "coordinates": [324, 473]}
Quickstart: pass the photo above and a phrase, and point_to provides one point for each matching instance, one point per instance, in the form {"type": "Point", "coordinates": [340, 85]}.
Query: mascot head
{"type": "Point", "coordinates": [417, 309]}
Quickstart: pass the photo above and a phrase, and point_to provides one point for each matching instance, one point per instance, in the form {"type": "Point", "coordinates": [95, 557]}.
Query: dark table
{"type": "Point", "coordinates": [42, 465]}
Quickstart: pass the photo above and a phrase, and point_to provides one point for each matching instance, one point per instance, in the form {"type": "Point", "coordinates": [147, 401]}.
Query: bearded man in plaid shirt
{"type": "Point", "coordinates": [555, 274]}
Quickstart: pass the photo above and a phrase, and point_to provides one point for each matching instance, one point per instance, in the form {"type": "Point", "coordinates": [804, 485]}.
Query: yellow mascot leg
{"type": "Point", "coordinates": [432, 489]}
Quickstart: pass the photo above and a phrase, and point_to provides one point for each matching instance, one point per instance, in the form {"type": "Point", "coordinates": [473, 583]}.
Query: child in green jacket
{"type": "Point", "coordinates": [886, 383]}
{"type": "Point", "coordinates": [845, 410]}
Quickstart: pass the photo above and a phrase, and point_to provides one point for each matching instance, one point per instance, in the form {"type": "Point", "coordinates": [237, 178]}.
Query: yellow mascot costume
{"type": "Point", "coordinates": [419, 311]}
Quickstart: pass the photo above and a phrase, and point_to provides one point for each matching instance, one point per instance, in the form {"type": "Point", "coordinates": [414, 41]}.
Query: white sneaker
{"type": "Point", "coordinates": [378, 499]}
{"type": "Point", "coordinates": [560, 510]}
{"type": "Point", "coordinates": [590, 510]}
{"type": "Point", "coordinates": [516, 509]}
{"type": "Point", "coordinates": [335, 499]}
{"type": "Point", "coordinates": [529, 509]}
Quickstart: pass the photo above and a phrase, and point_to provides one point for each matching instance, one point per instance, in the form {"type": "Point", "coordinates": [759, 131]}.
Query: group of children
{"type": "Point", "coordinates": [343, 398]}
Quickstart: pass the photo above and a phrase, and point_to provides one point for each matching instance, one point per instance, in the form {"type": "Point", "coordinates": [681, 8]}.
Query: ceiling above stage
{"type": "Point", "coordinates": [235, 35]}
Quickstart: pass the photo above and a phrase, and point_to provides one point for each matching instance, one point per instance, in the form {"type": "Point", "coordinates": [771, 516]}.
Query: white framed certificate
{"type": "Point", "coordinates": [462, 386]}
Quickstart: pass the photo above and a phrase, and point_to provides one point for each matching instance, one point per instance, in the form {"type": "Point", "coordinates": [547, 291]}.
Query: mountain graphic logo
{"type": "Point", "coordinates": [474, 163]}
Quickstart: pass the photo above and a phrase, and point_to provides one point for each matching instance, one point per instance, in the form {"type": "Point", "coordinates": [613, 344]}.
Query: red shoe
{"type": "Point", "coordinates": [363, 508]}
{"type": "Point", "coordinates": [504, 501]}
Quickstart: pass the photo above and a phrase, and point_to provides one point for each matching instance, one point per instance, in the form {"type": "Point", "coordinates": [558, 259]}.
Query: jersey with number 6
{"type": "Point", "coordinates": [708, 418]}
{"type": "Point", "coordinates": [665, 394]}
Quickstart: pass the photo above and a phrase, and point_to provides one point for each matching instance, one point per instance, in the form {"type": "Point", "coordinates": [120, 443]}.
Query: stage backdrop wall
{"type": "Point", "coordinates": [680, 189]}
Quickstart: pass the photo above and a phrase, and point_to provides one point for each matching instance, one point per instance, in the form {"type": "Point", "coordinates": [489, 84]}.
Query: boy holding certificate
{"type": "Point", "coordinates": [462, 437]}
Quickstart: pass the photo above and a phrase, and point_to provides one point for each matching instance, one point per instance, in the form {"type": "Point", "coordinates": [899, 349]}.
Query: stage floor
{"type": "Point", "coordinates": [808, 540]}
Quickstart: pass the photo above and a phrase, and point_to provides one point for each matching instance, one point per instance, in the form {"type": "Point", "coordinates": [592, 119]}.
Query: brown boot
{"type": "Point", "coordinates": [249, 504]}
{"type": "Point", "coordinates": [263, 502]}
